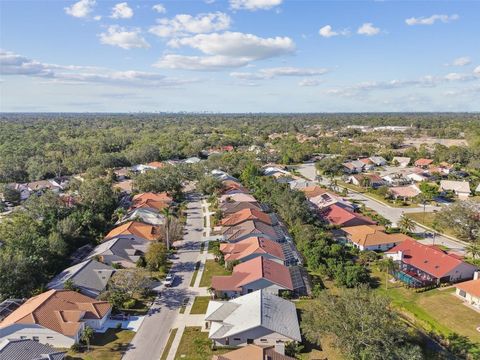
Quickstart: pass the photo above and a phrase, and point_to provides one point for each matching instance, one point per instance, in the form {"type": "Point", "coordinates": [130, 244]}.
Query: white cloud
{"type": "Point", "coordinates": [200, 63]}
{"type": "Point", "coordinates": [461, 61]}
{"type": "Point", "coordinates": [184, 24]}
{"type": "Point", "coordinates": [97, 18]}
{"type": "Point", "coordinates": [81, 8]}
{"type": "Point", "coordinates": [431, 20]}
{"type": "Point", "coordinates": [327, 32]}
{"type": "Point", "coordinates": [237, 45]}
{"type": "Point", "coordinates": [270, 73]}
{"type": "Point", "coordinates": [159, 8]}
{"type": "Point", "coordinates": [122, 11]}
{"type": "Point", "coordinates": [123, 38]}
{"type": "Point", "coordinates": [368, 29]}
{"type": "Point", "coordinates": [309, 82]}
{"type": "Point", "coordinates": [253, 5]}
{"type": "Point", "coordinates": [14, 64]}
{"type": "Point", "coordinates": [477, 70]}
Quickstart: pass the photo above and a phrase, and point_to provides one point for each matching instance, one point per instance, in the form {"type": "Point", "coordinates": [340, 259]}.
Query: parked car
{"type": "Point", "coordinates": [169, 280]}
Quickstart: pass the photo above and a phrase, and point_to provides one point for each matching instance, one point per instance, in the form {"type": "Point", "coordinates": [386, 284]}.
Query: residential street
{"type": "Point", "coordinates": [391, 213]}
{"type": "Point", "coordinates": [150, 340]}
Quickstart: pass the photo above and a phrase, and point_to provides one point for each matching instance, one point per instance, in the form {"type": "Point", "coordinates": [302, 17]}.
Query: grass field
{"type": "Point", "coordinates": [427, 220]}
{"type": "Point", "coordinates": [212, 268]}
{"type": "Point", "coordinates": [435, 310]}
{"type": "Point", "coordinates": [194, 276]}
{"type": "Point", "coordinates": [195, 345]}
{"type": "Point", "coordinates": [107, 346]}
{"type": "Point", "coordinates": [166, 350]}
{"type": "Point", "coordinates": [200, 305]}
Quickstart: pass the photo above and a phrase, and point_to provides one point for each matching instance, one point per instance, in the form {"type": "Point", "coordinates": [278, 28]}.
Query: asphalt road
{"type": "Point", "coordinates": [391, 213]}
{"type": "Point", "coordinates": [151, 338]}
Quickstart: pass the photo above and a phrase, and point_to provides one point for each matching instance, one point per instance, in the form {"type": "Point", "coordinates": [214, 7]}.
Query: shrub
{"type": "Point", "coordinates": [129, 304]}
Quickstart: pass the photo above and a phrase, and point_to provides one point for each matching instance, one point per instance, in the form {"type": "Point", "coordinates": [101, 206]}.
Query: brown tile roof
{"type": "Point", "coordinates": [232, 207]}
{"type": "Point", "coordinates": [244, 215]}
{"type": "Point", "coordinates": [253, 352]}
{"type": "Point", "coordinates": [251, 245]}
{"type": "Point", "coordinates": [423, 162]}
{"type": "Point", "coordinates": [370, 235]}
{"type": "Point", "coordinates": [156, 164]}
{"type": "Point", "coordinates": [472, 287]}
{"type": "Point", "coordinates": [336, 215]}
{"type": "Point", "coordinates": [135, 228]}
{"type": "Point", "coordinates": [152, 196]}
{"type": "Point", "coordinates": [409, 191]}
{"type": "Point", "coordinates": [313, 191]}
{"type": "Point", "coordinates": [253, 270]}
{"type": "Point", "coordinates": [238, 197]}
{"type": "Point", "coordinates": [249, 227]}
{"type": "Point", "coordinates": [59, 310]}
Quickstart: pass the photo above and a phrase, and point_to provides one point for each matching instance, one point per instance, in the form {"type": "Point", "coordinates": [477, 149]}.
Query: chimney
{"type": "Point", "coordinates": [476, 275]}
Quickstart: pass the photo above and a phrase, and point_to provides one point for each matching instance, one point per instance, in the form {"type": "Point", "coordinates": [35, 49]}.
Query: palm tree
{"type": "Point", "coordinates": [388, 266]}
{"type": "Point", "coordinates": [406, 224]}
{"type": "Point", "coordinates": [168, 215]}
{"type": "Point", "coordinates": [86, 336]}
{"type": "Point", "coordinates": [473, 249]}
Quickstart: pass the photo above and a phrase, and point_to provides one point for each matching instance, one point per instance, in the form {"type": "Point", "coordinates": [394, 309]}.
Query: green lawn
{"type": "Point", "coordinates": [108, 346]}
{"type": "Point", "coordinates": [166, 350]}
{"type": "Point", "coordinates": [211, 245]}
{"type": "Point", "coordinates": [433, 310]}
{"type": "Point", "coordinates": [212, 268]}
{"type": "Point", "coordinates": [373, 195]}
{"type": "Point", "coordinates": [200, 305]}
{"type": "Point", "coordinates": [194, 276]}
{"type": "Point", "coordinates": [195, 345]}
{"type": "Point", "coordinates": [427, 220]}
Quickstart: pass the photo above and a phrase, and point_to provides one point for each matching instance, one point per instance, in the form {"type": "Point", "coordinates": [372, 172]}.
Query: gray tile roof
{"type": "Point", "coordinates": [16, 349]}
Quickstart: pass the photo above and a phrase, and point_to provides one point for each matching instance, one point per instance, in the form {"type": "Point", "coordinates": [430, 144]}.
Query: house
{"type": "Point", "coordinates": [122, 173]}
{"type": "Point", "coordinates": [257, 318]}
{"type": "Point", "coordinates": [251, 248]}
{"type": "Point", "coordinates": [275, 171]}
{"type": "Point", "coordinates": [313, 191]}
{"type": "Point", "coordinates": [250, 228]}
{"type": "Point", "coordinates": [404, 192]}
{"type": "Point", "coordinates": [230, 186]}
{"type": "Point", "coordinates": [378, 160]}
{"type": "Point", "coordinates": [141, 168]}
{"type": "Point", "coordinates": [401, 161]}
{"type": "Point", "coordinates": [326, 199]}
{"type": "Point", "coordinates": [134, 230]}
{"type": "Point", "coordinates": [372, 237]}
{"type": "Point", "coordinates": [55, 317]}
{"type": "Point", "coordinates": [42, 185]}
{"type": "Point", "coordinates": [245, 215]}
{"type": "Point", "coordinates": [470, 291]}
{"type": "Point", "coordinates": [90, 277]}
{"type": "Point", "coordinates": [460, 188]}
{"type": "Point", "coordinates": [367, 164]}
{"type": "Point", "coordinates": [395, 179]}
{"type": "Point", "coordinates": [353, 167]}
{"type": "Point", "coordinates": [192, 160]}
{"type": "Point", "coordinates": [255, 352]}
{"type": "Point", "coordinates": [26, 349]}
{"type": "Point", "coordinates": [238, 197]}
{"type": "Point", "coordinates": [233, 207]}
{"type": "Point", "coordinates": [21, 188]}
{"type": "Point", "coordinates": [145, 215]}
{"type": "Point", "coordinates": [421, 265]}
{"type": "Point", "coordinates": [337, 215]}
{"type": "Point", "coordinates": [423, 163]}
{"type": "Point", "coordinates": [156, 164]}
{"type": "Point", "coordinates": [119, 252]}
{"type": "Point", "coordinates": [143, 198]}
{"type": "Point", "coordinates": [124, 186]}
{"type": "Point", "coordinates": [369, 180]}
{"type": "Point", "coordinates": [255, 274]}
{"type": "Point", "coordinates": [222, 175]}
{"type": "Point", "coordinates": [416, 177]}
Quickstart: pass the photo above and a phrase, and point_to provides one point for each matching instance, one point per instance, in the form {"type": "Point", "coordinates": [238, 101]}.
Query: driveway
{"type": "Point", "coordinates": [152, 336]}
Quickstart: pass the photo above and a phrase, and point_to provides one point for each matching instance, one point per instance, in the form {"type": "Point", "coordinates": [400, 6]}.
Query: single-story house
{"type": "Point", "coordinates": [145, 215]}
{"type": "Point", "coordinates": [245, 215]}
{"type": "Point", "coordinates": [255, 274]}
{"type": "Point", "coordinates": [26, 349]}
{"type": "Point", "coordinates": [233, 207]}
{"type": "Point", "coordinates": [154, 201]}
{"type": "Point", "coordinates": [339, 216]}
{"type": "Point", "coordinates": [90, 277]}
{"type": "Point", "coordinates": [460, 188]}
{"type": "Point", "coordinates": [401, 161]}
{"type": "Point", "coordinates": [275, 171]}
{"type": "Point", "coordinates": [396, 179]}
{"type": "Point", "coordinates": [378, 160]}
{"type": "Point", "coordinates": [156, 164]}
{"type": "Point", "coordinates": [313, 191]}
{"type": "Point", "coordinates": [141, 168]}
{"type": "Point", "coordinates": [421, 265]}
{"type": "Point", "coordinates": [250, 228]}
{"type": "Point", "coordinates": [257, 318]}
{"type": "Point", "coordinates": [326, 199]}
{"type": "Point", "coordinates": [238, 197]}
{"type": "Point", "coordinates": [369, 180]}
{"type": "Point", "coordinates": [353, 167]}
{"type": "Point", "coordinates": [55, 317]}
{"type": "Point", "coordinates": [229, 186]}
{"type": "Point", "coordinates": [470, 291]}
{"type": "Point", "coordinates": [135, 230]}
{"type": "Point", "coordinates": [404, 192]}
{"type": "Point", "coordinates": [367, 164]}
{"type": "Point", "coordinates": [255, 352]}
{"type": "Point", "coordinates": [251, 248]}
{"type": "Point", "coordinates": [222, 175]}
{"type": "Point", "coordinates": [416, 177]}
{"type": "Point", "coordinates": [120, 251]}
{"type": "Point", "coordinates": [372, 237]}
{"type": "Point", "coordinates": [423, 163]}
{"type": "Point", "coordinates": [42, 185]}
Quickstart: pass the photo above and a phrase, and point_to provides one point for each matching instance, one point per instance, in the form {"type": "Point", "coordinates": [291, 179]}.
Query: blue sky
{"type": "Point", "coordinates": [239, 56]}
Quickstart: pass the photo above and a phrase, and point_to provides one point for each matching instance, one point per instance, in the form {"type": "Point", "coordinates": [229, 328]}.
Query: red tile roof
{"type": "Point", "coordinates": [135, 228]}
{"type": "Point", "coordinates": [313, 191]}
{"type": "Point", "coordinates": [244, 215]}
{"type": "Point", "coordinates": [423, 162]}
{"type": "Point", "coordinates": [253, 270]}
{"type": "Point", "coordinates": [429, 259]}
{"type": "Point", "coordinates": [337, 215]}
{"type": "Point", "coordinates": [472, 287]}
{"type": "Point", "coordinates": [252, 245]}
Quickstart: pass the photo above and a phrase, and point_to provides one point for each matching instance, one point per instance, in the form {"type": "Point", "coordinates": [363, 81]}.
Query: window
{"type": "Point", "coordinates": [263, 340]}
{"type": "Point", "coordinates": [49, 337]}
{"type": "Point", "coordinates": [23, 337]}
{"type": "Point", "coordinates": [35, 338]}
{"type": "Point", "coordinates": [249, 341]}
{"type": "Point", "coordinates": [237, 339]}
{"type": "Point", "coordinates": [462, 293]}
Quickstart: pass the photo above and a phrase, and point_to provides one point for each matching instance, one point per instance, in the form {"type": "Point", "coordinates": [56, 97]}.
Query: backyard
{"type": "Point", "coordinates": [195, 345]}
{"type": "Point", "coordinates": [212, 268]}
{"type": "Point", "coordinates": [105, 346]}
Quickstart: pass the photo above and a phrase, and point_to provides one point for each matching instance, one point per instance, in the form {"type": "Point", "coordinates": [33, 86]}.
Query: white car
{"type": "Point", "coordinates": [169, 279]}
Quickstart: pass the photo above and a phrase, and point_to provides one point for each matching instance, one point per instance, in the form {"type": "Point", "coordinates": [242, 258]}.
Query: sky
{"type": "Point", "coordinates": [239, 56]}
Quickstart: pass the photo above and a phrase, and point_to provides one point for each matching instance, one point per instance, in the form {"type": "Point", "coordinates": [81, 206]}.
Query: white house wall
{"type": "Point", "coordinates": [44, 335]}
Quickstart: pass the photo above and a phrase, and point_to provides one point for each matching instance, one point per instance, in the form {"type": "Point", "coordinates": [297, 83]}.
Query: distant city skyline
{"type": "Point", "coordinates": [239, 56]}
